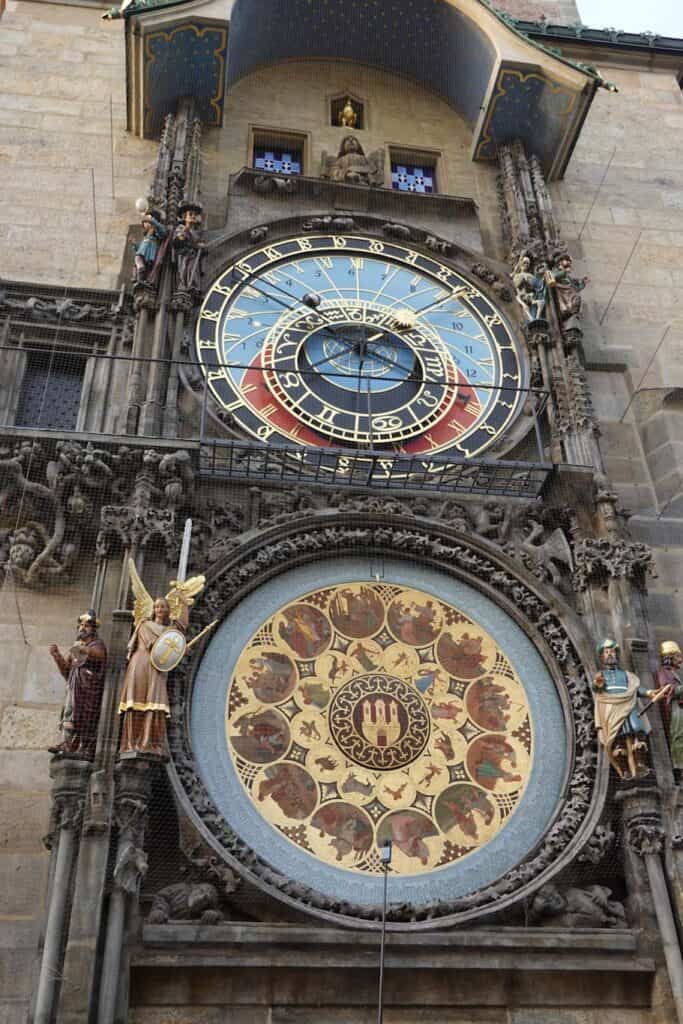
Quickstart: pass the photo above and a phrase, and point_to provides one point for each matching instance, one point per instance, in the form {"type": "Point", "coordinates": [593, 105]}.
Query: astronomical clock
{"type": "Point", "coordinates": [340, 341]}
{"type": "Point", "coordinates": [338, 706]}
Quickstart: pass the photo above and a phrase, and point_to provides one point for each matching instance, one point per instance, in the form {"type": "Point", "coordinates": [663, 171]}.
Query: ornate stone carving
{"type": "Point", "coordinates": [329, 223]}
{"type": "Point", "coordinates": [597, 846]}
{"type": "Point", "coordinates": [599, 559]}
{"type": "Point", "coordinates": [186, 901]}
{"type": "Point", "coordinates": [399, 231]}
{"type": "Point", "coordinates": [351, 166]}
{"type": "Point", "coordinates": [56, 488]}
{"type": "Point", "coordinates": [55, 310]}
{"type": "Point", "coordinates": [284, 549]}
{"type": "Point", "coordinates": [485, 273]}
{"type": "Point", "coordinates": [130, 868]}
{"type": "Point", "coordinates": [645, 835]}
{"type": "Point", "coordinates": [438, 245]}
{"type": "Point", "coordinates": [577, 908]}
{"type": "Point", "coordinates": [272, 184]}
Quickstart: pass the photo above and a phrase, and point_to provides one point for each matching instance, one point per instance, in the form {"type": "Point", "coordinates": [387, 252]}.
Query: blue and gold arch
{"type": "Point", "coordinates": [503, 85]}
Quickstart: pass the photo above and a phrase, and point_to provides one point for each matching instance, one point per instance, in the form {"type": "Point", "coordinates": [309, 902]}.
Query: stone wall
{"type": "Point", "coordinates": [31, 695]}
{"type": "Point", "coordinates": [557, 12]}
{"type": "Point", "coordinates": [62, 82]}
{"type": "Point", "coordinates": [620, 209]}
{"type": "Point", "coordinates": [295, 97]}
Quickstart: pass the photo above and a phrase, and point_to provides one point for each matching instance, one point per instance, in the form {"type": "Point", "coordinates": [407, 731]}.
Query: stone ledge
{"type": "Point", "coordinates": [284, 945]}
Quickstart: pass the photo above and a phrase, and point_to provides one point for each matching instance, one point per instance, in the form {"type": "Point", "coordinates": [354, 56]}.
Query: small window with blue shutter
{"type": "Point", "coordinates": [278, 153]}
{"type": "Point", "coordinates": [413, 172]}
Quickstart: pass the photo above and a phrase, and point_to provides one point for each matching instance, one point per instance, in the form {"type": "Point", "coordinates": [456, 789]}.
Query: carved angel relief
{"type": "Point", "coordinates": [352, 166]}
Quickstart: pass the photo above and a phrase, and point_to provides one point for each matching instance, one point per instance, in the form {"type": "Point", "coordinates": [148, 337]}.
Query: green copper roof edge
{"type": "Point", "coordinates": [608, 37]}
{"type": "Point", "coordinates": [514, 25]}
{"type": "Point", "coordinates": [142, 7]}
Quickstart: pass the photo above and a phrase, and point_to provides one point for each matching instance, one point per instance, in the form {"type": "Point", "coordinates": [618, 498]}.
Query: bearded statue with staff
{"type": "Point", "coordinates": [156, 647]}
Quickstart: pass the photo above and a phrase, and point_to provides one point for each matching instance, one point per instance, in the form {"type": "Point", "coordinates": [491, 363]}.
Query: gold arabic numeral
{"type": "Point", "coordinates": [492, 320]}
{"type": "Point", "coordinates": [214, 375]}
{"type": "Point", "coordinates": [338, 242]}
{"type": "Point", "coordinates": [411, 258]}
{"type": "Point", "coordinates": [244, 267]}
{"type": "Point", "coordinates": [272, 253]}
{"type": "Point", "coordinates": [376, 246]}
{"type": "Point", "coordinates": [506, 405]}
{"type": "Point", "coordinates": [444, 274]}
{"type": "Point", "coordinates": [264, 431]}
{"type": "Point", "coordinates": [304, 245]}
{"type": "Point", "coordinates": [386, 466]}
{"type": "Point", "coordinates": [511, 376]}
{"type": "Point", "coordinates": [489, 429]}
{"type": "Point", "coordinates": [204, 346]}
{"type": "Point", "coordinates": [290, 379]}
{"type": "Point", "coordinates": [212, 315]}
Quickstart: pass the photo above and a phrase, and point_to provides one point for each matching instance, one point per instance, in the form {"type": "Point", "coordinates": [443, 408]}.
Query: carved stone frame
{"type": "Point", "coordinates": [557, 634]}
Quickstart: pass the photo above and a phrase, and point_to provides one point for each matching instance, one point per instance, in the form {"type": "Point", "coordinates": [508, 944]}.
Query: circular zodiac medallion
{"type": "Point", "coordinates": [362, 712]}
{"type": "Point", "coordinates": [348, 341]}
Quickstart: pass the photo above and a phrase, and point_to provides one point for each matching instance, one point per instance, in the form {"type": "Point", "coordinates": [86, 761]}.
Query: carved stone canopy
{"type": "Point", "coordinates": [565, 652]}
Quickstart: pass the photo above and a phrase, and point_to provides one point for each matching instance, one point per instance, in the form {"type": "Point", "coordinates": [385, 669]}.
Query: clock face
{"type": "Point", "coordinates": [341, 341]}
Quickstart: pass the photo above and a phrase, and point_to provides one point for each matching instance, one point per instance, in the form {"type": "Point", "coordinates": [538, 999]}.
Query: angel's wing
{"type": "Point", "coordinates": [144, 605]}
{"type": "Point", "coordinates": [182, 594]}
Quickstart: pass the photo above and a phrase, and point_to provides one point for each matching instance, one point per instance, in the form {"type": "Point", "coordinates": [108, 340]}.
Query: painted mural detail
{"type": "Point", "coordinates": [372, 711]}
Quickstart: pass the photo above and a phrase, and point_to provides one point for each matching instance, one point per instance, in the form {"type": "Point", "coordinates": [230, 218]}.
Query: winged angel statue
{"type": "Point", "coordinates": [156, 646]}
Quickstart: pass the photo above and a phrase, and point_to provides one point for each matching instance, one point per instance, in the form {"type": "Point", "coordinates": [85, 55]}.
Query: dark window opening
{"type": "Point", "coordinates": [50, 393]}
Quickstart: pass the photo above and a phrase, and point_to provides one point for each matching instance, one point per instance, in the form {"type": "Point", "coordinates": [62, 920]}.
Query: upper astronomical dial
{"type": "Point", "coordinates": [348, 341]}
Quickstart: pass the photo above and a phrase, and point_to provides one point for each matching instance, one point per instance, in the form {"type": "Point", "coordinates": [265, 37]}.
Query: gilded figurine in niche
{"type": "Point", "coordinates": [621, 724]}
{"type": "Point", "coordinates": [83, 668]}
{"type": "Point", "coordinates": [352, 166]}
{"type": "Point", "coordinates": [155, 648]}
{"type": "Point", "coordinates": [669, 679]}
{"type": "Point", "coordinates": [188, 248]}
{"type": "Point", "coordinates": [348, 118]}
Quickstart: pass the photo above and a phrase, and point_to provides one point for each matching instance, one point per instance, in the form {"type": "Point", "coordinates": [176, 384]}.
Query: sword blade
{"type": "Point", "coordinates": [184, 552]}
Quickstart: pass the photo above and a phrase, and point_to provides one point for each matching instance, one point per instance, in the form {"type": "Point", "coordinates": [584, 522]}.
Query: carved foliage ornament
{"type": "Point", "coordinates": [282, 550]}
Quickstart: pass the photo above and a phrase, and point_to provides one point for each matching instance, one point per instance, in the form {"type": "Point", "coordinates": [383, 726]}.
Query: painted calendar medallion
{"type": "Point", "coordinates": [367, 711]}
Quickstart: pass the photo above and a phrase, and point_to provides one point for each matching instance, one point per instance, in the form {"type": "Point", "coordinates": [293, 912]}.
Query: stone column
{"type": "Point", "coordinates": [133, 786]}
{"type": "Point", "coordinates": [645, 839]}
{"type": "Point", "coordinates": [70, 780]}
